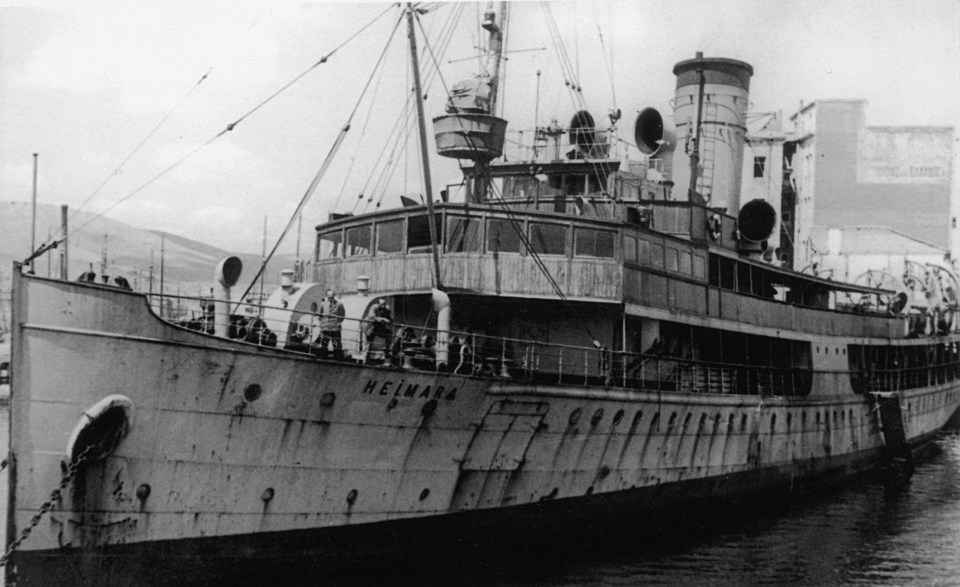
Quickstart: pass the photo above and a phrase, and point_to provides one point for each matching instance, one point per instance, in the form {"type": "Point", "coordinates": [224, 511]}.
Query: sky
{"type": "Point", "coordinates": [109, 94]}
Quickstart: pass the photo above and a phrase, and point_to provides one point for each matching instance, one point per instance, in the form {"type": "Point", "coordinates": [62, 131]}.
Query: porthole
{"type": "Point", "coordinates": [636, 418]}
{"type": "Point", "coordinates": [597, 416]}
{"type": "Point", "coordinates": [252, 392]}
{"type": "Point", "coordinates": [617, 417]}
{"type": "Point", "coordinates": [574, 417]}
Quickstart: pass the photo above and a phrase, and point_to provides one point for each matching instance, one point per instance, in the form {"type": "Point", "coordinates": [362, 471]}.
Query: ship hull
{"type": "Point", "coordinates": [430, 544]}
{"type": "Point", "coordinates": [236, 456]}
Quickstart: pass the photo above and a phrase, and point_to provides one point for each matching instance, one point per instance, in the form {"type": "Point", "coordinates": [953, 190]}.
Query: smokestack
{"type": "Point", "coordinates": [718, 140]}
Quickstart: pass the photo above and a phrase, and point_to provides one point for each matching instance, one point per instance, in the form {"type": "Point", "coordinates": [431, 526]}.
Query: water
{"type": "Point", "coordinates": [861, 534]}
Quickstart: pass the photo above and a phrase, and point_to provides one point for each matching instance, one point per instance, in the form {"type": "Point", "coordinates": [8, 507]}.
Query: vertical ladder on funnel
{"type": "Point", "coordinates": [708, 153]}
{"type": "Point", "coordinates": [897, 457]}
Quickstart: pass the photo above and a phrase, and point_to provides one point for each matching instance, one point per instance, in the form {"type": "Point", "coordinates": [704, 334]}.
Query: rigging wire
{"type": "Point", "coordinates": [230, 127]}
{"type": "Point", "coordinates": [153, 131]}
{"type": "Point", "coordinates": [326, 163]}
{"type": "Point", "coordinates": [445, 37]}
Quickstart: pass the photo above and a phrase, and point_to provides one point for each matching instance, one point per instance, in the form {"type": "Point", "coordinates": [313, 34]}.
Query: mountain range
{"type": "Point", "coordinates": [188, 265]}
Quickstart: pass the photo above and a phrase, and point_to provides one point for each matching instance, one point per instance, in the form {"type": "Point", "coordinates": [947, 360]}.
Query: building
{"type": "Point", "coordinates": [763, 177]}
{"type": "Point", "coordinates": [847, 174]}
{"type": "Point", "coordinates": [847, 254]}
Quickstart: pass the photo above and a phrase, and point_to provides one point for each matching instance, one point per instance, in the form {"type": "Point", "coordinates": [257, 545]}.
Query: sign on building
{"type": "Point", "coordinates": [905, 155]}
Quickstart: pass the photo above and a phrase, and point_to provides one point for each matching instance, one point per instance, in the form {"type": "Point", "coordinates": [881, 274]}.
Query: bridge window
{"type": "Point", "coordinates": [656, 255]}
{"type": "Point", "coordinates": [418, 233]}
{"type": "Point", "coordinates": [629, 249]}
{"type": "Point", "coordinates": [686, 262]}
{"type": "Point", "coordinates": [673, 264]}
{"type": "Point", "coordinates": [548, 239]}
{"type": "Point", "coordinates": [463, 235]}
{"type": "Point", "coordinates": [643, 252]}
{"type": "Point", "coordinates": [503, 236]}
{"type": "Point", "coordinates": [358, 241]}
{"type": "Point", "coordinates": [330, 245]}
{"type": "Point", "coordinates": [390, 236]}
{"type": "Point", "coordinates": [594, 243]}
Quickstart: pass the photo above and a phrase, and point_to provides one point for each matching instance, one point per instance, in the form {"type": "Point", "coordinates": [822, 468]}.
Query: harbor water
{"type": "Point", "coordinates": [864, 533]}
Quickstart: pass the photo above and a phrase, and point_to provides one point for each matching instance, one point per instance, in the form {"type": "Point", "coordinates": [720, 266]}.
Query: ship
{"type": "Point", "coordinates": [564, 337]}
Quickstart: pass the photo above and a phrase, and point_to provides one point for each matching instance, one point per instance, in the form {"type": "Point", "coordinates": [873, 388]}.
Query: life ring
{"type": "Point", "coordinates": [106, 423]}
{"type": "Point", "coordinates": [714, 225]}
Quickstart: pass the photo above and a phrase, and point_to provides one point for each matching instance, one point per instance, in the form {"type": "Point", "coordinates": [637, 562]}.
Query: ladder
{"type": "Point", "coordinates": [898, 460]}
{"type": "Point", "coordinates": [708, 149]}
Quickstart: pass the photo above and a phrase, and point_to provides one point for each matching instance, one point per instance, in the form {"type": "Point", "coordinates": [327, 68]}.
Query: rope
{"type": "Point", "coordinates": [324, 166]}
{"type": "Point", "coordinates": [229, 128]}
{"type": "Point", "coordinates": [116, 171]}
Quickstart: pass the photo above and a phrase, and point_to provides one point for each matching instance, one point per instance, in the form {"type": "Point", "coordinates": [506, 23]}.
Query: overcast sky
{"type": "Point", "coordinates": [84, 83]}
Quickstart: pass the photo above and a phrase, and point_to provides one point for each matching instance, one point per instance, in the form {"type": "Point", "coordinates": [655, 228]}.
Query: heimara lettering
{"type": "Point", "coordinates": [388, 387]}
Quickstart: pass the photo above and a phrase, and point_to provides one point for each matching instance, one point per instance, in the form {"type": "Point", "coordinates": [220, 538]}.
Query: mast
{"type": "Point", "coordinates": [163, 243]}
{"type": "Point", "coordinates": [494, 27]}
{"type": "Point", "coordinates": [695, 150]}
{"type": "Point", "coordinates": [425, 156]}
{"type": "Point", "coordinates": [264, 259]}
{"type": "Point", "coordinates": [33, 216]}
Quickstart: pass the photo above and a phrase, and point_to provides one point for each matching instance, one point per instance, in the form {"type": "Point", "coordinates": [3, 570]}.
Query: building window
{"type": "Point", "coordinates": [759, 166]}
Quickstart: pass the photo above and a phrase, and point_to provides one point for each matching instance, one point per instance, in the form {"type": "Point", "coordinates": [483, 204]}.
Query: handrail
{"type": "Point", "coordinates": [483, 355]}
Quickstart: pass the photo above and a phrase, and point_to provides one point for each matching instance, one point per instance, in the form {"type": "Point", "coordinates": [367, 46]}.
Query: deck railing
{"type": "Point", "coordinates": [479, 354]}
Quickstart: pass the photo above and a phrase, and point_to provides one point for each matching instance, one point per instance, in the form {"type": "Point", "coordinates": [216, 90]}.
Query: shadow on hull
{"type": "Point", "coordinates": [470, 548]}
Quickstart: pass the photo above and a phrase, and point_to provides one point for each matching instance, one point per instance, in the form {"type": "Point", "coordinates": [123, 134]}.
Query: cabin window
{"type": "Point", "coordinates": [463, 235]}
{"type": "Point", "coordinates": [503, 236]}
{"type": "Point", "coordinates": [548, 239]}
{"type": "Point", "coordinates": [598, 183]}
{"type": "Point", "coordinates": [673, 263]}
{"type": "Point", "coordinates": [594, 243]}
{"type": "Point", "coordinates": [643, 252]}
{"type": "Point", "coordinates": [418, 233]}
{"type": "Point", "coordinates": [390, 236]}
{"type": "Point", "coordinates": [629, 249]}
{"type": "Point", "coordinates": [759, 166]}
{"type": "Point", "coordinates": [569, 185]}
{"type": "Point", "coordinates": [699, 267]}
{"type": "Point", "coordinates": [330, 245]}
{"type": "Point", "coordinates": [656, 255]}
{"type": "Point", "coordinates": [358, 241]}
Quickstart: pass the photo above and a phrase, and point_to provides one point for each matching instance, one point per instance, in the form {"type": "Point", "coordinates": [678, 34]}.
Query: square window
{"type": "Point", "coordinates": [463, 235]}
{"type": "Point", "coordinates": [759, 166]}
{"type": "Point", "coordinates": [548, 239]}
{"type": "Point", "coordinates": [503, 236]}
{"type": "Point", "coordinates": [390, 236]}
{"type": "Point", "coordinates": [358, 241]}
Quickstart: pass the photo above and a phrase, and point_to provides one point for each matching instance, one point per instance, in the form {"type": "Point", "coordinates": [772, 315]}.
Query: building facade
{"type": "Point", "coordinates": [847, 174]}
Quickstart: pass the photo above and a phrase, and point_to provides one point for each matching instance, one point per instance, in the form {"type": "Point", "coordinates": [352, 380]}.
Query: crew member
{"type": "Point", "coordinates": [382, 327]}
{"type": "Point", "coordinates": [331, 319]}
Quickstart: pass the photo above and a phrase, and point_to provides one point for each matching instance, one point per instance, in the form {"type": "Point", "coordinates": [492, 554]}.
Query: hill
{"type": "Point", "coordinates": [130, 252]}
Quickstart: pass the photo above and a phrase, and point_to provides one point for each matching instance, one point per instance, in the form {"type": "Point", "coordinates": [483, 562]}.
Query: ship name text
{"type": "Point", "coordinates": [404, 389]}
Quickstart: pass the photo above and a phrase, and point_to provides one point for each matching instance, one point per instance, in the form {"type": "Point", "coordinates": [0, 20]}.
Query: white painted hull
{"type": "Point", "coordinates": [329, 446]}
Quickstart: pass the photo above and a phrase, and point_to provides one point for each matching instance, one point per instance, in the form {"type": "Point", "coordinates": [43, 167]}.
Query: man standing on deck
{"type": "Point", "coordinates": [382, 327]}
{"type": "Point", "coordinates": [331, 319]}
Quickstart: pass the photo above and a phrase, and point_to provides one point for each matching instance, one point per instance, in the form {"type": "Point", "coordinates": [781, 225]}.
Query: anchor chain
{"type": "Point", "coordinates": [70, 473]}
